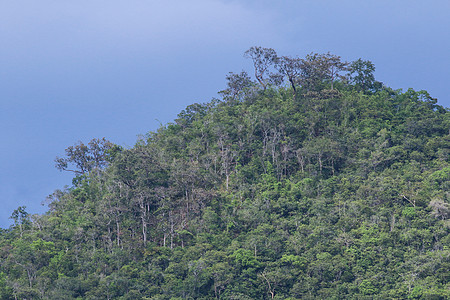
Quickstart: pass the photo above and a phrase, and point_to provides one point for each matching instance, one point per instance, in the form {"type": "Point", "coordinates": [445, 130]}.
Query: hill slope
{"type": "Point", "coordinates": [329, 186]}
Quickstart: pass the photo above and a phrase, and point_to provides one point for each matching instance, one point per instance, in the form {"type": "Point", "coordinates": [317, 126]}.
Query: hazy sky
{"type": "Point", "coordinates": [77, 70]}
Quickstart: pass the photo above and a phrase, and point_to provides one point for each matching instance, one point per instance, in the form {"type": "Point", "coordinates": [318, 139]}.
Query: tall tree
{"type": "Point", "coordinates": [317, 69]}
{"type": "Point", "coordinates": [21, 218]}
{"type": "Point", "coordinates": [291, 68]}
{"type": "Point", "coordinates": [81, 159]}
{"type": "Point", "coordinates": [238, 85]}
{"type": "Point", "coordinates": [314, 71]}
{"type": "Point", "coordinates": [335, 67]}
{"type": "Point", "coordinates": [361, 75]}
{"type": "Point", "coordinates": [263, 59]}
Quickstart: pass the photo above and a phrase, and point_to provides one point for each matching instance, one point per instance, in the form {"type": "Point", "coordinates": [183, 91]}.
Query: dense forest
{"type": "Point", "coordinates": [308, 179]}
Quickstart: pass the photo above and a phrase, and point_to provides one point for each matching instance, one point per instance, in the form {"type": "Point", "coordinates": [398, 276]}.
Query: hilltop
{"type": "Point", "coordinates": [311, 181]}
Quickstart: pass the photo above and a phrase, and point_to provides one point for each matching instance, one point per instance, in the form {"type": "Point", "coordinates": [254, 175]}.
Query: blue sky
{"type": "Point", "coordinates": [76, 70]}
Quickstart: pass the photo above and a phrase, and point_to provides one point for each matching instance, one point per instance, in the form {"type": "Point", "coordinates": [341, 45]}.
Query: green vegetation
{"type": "Point", "coordinates": [313, 182]}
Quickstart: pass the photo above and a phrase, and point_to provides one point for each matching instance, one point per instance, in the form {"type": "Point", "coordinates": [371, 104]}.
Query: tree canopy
{"type": "Point", "coordinates": [311, 181]}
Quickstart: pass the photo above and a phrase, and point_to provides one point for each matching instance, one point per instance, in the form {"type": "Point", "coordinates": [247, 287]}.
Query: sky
{"type": "Point", "coordinates": [76, 70]}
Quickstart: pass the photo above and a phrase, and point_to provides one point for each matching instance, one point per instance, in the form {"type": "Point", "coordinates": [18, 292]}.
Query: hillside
{"type": "Point", "coordinates": [313, 181]}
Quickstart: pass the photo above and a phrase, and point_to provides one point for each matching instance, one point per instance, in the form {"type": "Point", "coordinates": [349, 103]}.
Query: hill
{"type": "Point", "coordinates": [314, 181]}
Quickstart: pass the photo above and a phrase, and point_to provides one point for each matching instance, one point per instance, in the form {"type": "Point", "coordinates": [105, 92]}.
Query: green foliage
{"type": "Point", "coordinates": [324, 186]}
{"type": "Point", "coordinates": [409, 212]}
{"type": "Point", "coordinates": [244, 258]}
{"type": "Point", "coordinates": [367, 288]}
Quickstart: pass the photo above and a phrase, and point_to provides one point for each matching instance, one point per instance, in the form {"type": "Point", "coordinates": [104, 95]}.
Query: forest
{"type": "Point", "coordinates": [305, 179]}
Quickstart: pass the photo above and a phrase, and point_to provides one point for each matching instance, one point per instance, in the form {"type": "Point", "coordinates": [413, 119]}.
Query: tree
{"type": "Point", "coordinates": [238, 86]}
{"type": "Point", "coordinates": [440, 209]}
{"type": "Point", "coordinates": [335, 67]}
{"type": "Point", "coordinates": [291, 68]}
{"type": "Point", "coordinates": [263, 59]}
{"type": "Point", "coordinates": [21, 218]}
{"type": "Point", "coordinates": [361, 75]}
{"type": "Point", "coordinates": [274, 277]}
{"type": "Point", "coordinates": [85, 158]}
{"type": "Point", "coordinates": [317, 69]}
{"type": "Point", "coordinates": [314, 71]}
